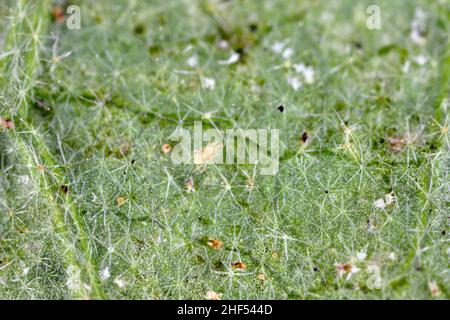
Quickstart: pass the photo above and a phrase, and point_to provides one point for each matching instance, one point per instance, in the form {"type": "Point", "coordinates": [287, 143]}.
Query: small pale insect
{"type": "Point", "coordinates": [232, 59]}
{"type": "Point", "coordinates": [125, 148]}
{"type": "Point", "coordinates": [372, 225]}
{"type": "Point", "coordinates": [23, 179]}
{"type": "Point", "coordinates": [250, 184]}
{"type": "Point", "coordinates": [208, 83]}
{"type": "Point", "coordinates": [104, 274]}
{"type": "Point", "coordinates": [193, 61]}
{"type": "Point", "coordinates": [392, 256]}
{"type": "Point", "coordinates": [208, 153]}
{"type": "Point", "coordinates": [189, 185]}
{"type": "Point", "coordinates": [361, 255]}
{"type": "Point", "coordinates": [120, 201]}
{"type": "Point", "coordinates": [379, 203]}
{"type": "Point", "coordinates": [212, 295]}
{"type": "Point", "coordinates": [390, 199]}
{"type": "Point", "coordinates": [261, 277]}
{"type": "Point", "coordinates": [119, 282]}
{"type": "Point", "coordinates": [434, 289]}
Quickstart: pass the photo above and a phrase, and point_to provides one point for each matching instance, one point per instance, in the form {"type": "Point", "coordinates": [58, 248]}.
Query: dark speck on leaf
{"type": "Point", "coordinates": [315, 269]}
{"type": "Point", "coordinates": [281, 108]}
{"type": "Point", "coordinates": [239, 50]}
{"type": "Point", "coordinates": [139, 28]}
{"type": "Point", "coordinates": [304, 137]}
{"type": "Point", "coordinates": [326, 191]}
{"type": "Point", "coordinates": [133, 161]}
{"type": "Point", "coordinates": [253, 27]}
{"type": "Point", "coordinates": [64, 188]}
{"type": "Point", "coordinates": [358, 45]}
{"type": "Point", "coordinates": [154, 49]}
{"type": "Point", "coordinates": [444, 233]}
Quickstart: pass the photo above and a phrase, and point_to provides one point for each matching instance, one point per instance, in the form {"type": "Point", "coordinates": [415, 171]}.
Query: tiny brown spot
{"type": "Point", "coordinates": [58, 13]}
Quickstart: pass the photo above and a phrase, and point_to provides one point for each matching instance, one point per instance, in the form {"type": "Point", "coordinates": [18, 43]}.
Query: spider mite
{"type": "Point", "coordinates": [230, 146]}
{"type": "Point", "coordinates": [166, 148]}
{"type": "Point", "coordinates": [214, 243]}
{"type": "Point", "coordinates": [58, 14]}
{"type": "Point", "coordinates": [239, 265]}
{"type": "Point", "coordinates": [6, 123]}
